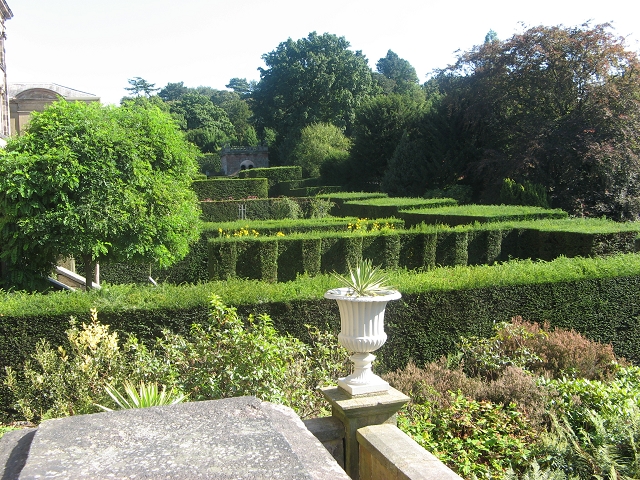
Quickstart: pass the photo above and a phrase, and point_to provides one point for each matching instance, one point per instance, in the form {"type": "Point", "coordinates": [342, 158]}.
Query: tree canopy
{"type": "Point", "coordinates": [311, 80]}
{"type": "Point", "coordinates": [97, 183]}
{"type": "Point", "coordinates": [558, 106]}
{"type": "Point", "coordinates": [320, 143]}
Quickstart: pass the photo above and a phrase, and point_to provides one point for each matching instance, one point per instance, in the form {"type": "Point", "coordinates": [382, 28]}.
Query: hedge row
{"type": "Point", "coordinates": [194, 268]}
{"type": "Point", "coordinates": [274, 175]}
{"type": "Point", "coordinates": [598, 297]}
{"type": "Point", "coordinates": [230, 188]}
{"type": "Point", "coordinates": [466, 214]}
{"type": "Point", "coordinates": [258, 208]}
{"type": "Point", "coordinates": [389, 207]}
{"type": "Point", "coordinates": [281, 258]}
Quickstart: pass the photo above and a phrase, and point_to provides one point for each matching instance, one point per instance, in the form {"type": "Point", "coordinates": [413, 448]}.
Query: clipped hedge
{"type": "Point", "coordinates": [390, 207]}
{"type": "Point", "coordinates": [274, 175]}
{"type": "Point", "coordinates": [598, 297]}
{"type": "Point", "coordinates": [231, 188]}
{"type": "Point", "coordinates": [229, 210]}
{"type": "Point", "coordinates": [466, 214]}
{"type": "Point", "coordinates": [420, 248]}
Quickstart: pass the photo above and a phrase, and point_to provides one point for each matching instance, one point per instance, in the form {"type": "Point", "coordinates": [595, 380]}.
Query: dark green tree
{"type": "Point", "coordinates": [311, 80]}
{"type": "Point", "coordinates": [96, 183]}
{"type": "Point", "coordinates": [173, 91]}
{"type": "Point", "coordinates": [240, 86]}
{"type": "Point", "coordinates": [397, 75]}
{"type": "Point", "coordinates": [380, 123]}
{"type": "Point", "coordinates": [206, 125]}
{"type": "Point", "coordinates": [557, 106]}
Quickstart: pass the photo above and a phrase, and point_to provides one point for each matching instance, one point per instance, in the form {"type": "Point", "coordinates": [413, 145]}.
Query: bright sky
{"type": "Point", "coordinates": [96, 45]}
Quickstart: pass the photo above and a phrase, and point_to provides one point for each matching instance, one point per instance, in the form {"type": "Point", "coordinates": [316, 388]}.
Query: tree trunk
{"type": "Point", "coordinates": [88, 271]}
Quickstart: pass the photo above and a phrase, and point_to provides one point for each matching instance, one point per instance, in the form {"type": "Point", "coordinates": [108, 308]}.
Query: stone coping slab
{"type": "Point", "coordinates": [234, 438]}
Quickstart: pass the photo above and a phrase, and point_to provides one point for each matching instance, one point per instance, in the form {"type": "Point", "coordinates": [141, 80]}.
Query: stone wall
{"type": "Point", "coordinates": [234, 159]}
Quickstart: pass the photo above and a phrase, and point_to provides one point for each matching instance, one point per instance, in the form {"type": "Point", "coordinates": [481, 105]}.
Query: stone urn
{"type": "Point", "coordinates": [362, 332]}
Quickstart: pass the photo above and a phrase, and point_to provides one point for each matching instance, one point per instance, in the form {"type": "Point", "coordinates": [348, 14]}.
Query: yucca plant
{"type": "Point", "coordinates": [147, 395]}
{"type": "Point", "coordinates": [364, 280]}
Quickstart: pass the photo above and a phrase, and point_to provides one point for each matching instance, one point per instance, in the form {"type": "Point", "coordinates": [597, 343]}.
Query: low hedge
{"type": "Point", "coordinates": [390, 207]}
{"type": "Point", "coordinates": [429, 246]}
{"type": "Point", "coordinates": [598, 297]}
{"type": "Point", "coordinates": [231, 188]}
{"type": "Point", "coordinates": [467, 214]}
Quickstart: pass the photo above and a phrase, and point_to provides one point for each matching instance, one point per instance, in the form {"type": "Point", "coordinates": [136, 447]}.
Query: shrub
{"type": "Point", "coordinates": [474, 438]}
{"type": "Point", "coordinates": [556, 353]}
{"type": "Point", "coordinates": [284, 207]}
{"type": "Point", "coordinates": [222, 357]}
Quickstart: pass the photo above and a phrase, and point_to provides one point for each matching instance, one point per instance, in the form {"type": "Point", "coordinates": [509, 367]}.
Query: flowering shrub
{"type": "Point", "coordinates": [362, 225]}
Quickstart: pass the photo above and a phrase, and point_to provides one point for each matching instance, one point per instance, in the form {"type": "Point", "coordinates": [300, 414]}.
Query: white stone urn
{"type": "Point", "coordinates": [362, 332]}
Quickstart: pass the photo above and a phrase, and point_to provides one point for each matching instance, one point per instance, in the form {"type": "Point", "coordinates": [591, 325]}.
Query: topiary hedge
{"type": "Point", "coordinates": [274, 175]}
{"type": "Point", "coordinates": [231, 188]}
{"type": "Point", "coordinates": [598, 297]}
{"type": "Point", "coordinates": [390, 207]}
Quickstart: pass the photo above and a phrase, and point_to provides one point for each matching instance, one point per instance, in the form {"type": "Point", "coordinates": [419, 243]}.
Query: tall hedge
{"type": "Point", "coordinates": [598, 297]}
{"type": "Point", "coordinates": [231, 188]}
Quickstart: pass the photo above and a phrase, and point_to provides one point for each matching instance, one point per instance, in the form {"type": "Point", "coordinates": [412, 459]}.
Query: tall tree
{"type": "Point", "coordinates": [240, 86]}
{"type": "Point", "coordinates": [398, 75]}
{"type": "Point", "coordinates": [173, 91]}
{"type": "Point", "coordinates": [139, 86]}
{"type": "Point", "coordinates": [97, 183]}
{"type": "Point", "coordinates": [206, 125]}
{"type": "Point", "coordinates": [380, 123]}
{"type": "Point", "coordinates": [558, 106]}
{"type": "Point", "coordinates": [314, 79]}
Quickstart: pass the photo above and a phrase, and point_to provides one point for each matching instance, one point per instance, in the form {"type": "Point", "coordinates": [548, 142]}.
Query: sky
{"type": "Point", "coordinates": [95, 46]}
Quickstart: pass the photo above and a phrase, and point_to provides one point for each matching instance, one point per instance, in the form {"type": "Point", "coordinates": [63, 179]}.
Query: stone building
{"type": "Point", "coordinates": [5, 130]}
{"type": "Point", "coordinates": [25, 98]}
{"type": "Point", "coordinates": [234, 159]}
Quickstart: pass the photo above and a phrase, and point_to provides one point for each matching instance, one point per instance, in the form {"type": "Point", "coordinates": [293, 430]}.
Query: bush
{"type": "Point", "coordinates": [284, 207]}
{"type": "Point", "coordinates": [473, 438]}
{"type": "Point", "coordinates": [513, 193]}
{"type": "Point", "coordinates": [544, 351]}
{"type": "Point", "coordinates": [222, 357]}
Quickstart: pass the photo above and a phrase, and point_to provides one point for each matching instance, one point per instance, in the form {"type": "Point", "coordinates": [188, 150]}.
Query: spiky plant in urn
{"type": "Point", "coordinates": [362, 301]}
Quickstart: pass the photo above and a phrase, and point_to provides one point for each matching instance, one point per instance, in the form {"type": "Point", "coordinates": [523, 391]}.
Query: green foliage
{"type": "Point", "coordinates": [210, 164]}
{"type": "Point", "coordinates": [223, 356]}
{"type": "Point", "coordinates": [206, 124]}
{"type": "Point", "coordinates": [147, 395]}
{"type": "Point", "coordinates": [400, 77]}
{"type": "Point", "coordinates": [364, 280]}
{"type": "Point", "coordinates": [140, 86]}
{"type": "Point", "coordinates": [319, 143]}
{"type": "Point", "coordinates": [284, 207]}
{"type": "Point", "coordinates": [474, 437]}
{"type": "Point", "coordinates": [97, 183]}
{"type": "Point", "coordinates": [380, 123]}
{"type": "Point", "coordinates": [314, 79]}
{"type": "Point", "coordinates": [275, 175]}
{"type": "Point", "coordinates": [513, 193]}
{"type": "Point", "coordinates": [230, 188]}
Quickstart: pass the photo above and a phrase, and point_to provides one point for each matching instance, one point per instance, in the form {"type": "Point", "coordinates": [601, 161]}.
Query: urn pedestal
{"type": "Point", "coordinates": [362, 332]}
